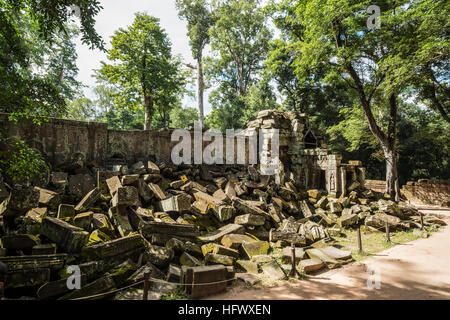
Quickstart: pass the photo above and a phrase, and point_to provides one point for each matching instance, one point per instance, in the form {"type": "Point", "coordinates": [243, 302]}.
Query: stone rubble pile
{"type": "Point", "coordinates": [178, 223]}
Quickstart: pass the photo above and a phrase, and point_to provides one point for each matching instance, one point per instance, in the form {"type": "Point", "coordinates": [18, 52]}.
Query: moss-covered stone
{"type": "Point", "coordinates": [255, 248]}
{"type": "Point", "coordinates": [212, 258]}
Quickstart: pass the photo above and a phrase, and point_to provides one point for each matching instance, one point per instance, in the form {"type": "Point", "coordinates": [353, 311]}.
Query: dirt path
{"type": "Point", "coordinates": [414, 270]}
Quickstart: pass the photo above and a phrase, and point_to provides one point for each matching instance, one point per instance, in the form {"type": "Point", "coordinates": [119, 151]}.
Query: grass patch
{"type": "Point", "coordinates": [373, 242]}
{"type": "Point", "coordinates": [178, 294]}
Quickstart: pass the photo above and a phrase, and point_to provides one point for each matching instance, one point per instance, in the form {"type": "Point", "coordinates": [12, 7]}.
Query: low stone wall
{"type": "Point", "coordinates": [424, 191]}
{"type": "Point", "coordinates": [435, 192]}
{"type": "Point", "coordinates": [376, 185]}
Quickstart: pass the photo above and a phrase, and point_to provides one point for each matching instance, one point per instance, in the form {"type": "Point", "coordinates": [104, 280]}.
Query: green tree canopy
{"type": "Point", "coordinates": [142, 67]}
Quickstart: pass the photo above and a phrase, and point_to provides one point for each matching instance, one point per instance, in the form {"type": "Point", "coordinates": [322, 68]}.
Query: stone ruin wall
{"type": "Point", "coordinates": [424, 191]}
{"type": "Point", "coordinates": [304, 157]}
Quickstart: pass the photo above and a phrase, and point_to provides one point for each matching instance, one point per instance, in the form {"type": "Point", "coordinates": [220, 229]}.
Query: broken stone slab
{"type": "Point", "coordinates": [119, 218]}
{"type": "Point", "coordinates": [234, 241]}
{"type": "Point", "coordinates": [247, 208]}
{"type": "Point", "coordinates": [138, 168]}
{"type": "Point", "coordinates": [212, 202]}
{"type": "Point", "coordinates": [112, 248]}
{"type": "Point", "coordinates": [229, 190]}
{"type": "Point", "coordinates": [102, 176]}
{"type": "Point", "coordinates": [130, 179]}
{"type": "Point", "coordinates": [250, 220]}
{"type": "Point", "coordinates": [173, 274]}
{"type": "Point", "coordinates": [176, 245]}
{"type": "Point", "coordinates": [212, 258]}
{"type": "Point", "coordinates": [174, 229]}
{"type": "Point", "coordinates": [260, 234]}
{"type": "Point", "coordinates": [289, 237]}
{"type": "Point", "coordinates": [255, 248]}
{"type": "Point", "coordinates": [324, 218]}
{"type": "Point", "coordinates": [113, 184]}
{"type": "Point", "coordinates": [313, 231]}
{"type": "Point", "coordinates": [126, 196]}
{"type": "Point", "coordinates": [348, 220]}
{"type": "Point", "coordinates": [179, 203]}
{"type": "Point", "coordinates": [188, 260]}
{"type": "Point", "coordinates": [101, 222]}
{"type": "Point", "coordinates": [152, 168]}
{"type": "Point", "coordinates": [200, 207]}
{"type": "Point", "coordinates": [66, 211]}
{"type": "Point", "coordinates": [220, 195]}
{"type": "Point", "coordinates": [176, 184]}
{"type": "Point", "coordinates": [335, 207]}
{"type": "Point", "coordinates": [157, 255]}
{"type": "Point", "coordinates": [43, 249]}
{"type": "Point", "coordinates": [318, 254]}
{"type": "Point", "coordinates": [32, 220]}
{"type": "Point", "coordinates": [311, 265]}
{"type": "Point", "coordinates": [49, 199]}
{"type": "Point", "coordinates": [273, 270]}
{"type": "Point", "coordinates": [261, 258]}
{"type": "Point", "coordinates": [378, 220]}
{"type": "Point", "coordinates": [218, 249]}
{"type": "Point", "coordinates": [138, 276]}
{"type": "Point", "coordinates": [97, 237]}
{"type": "Point", "coordinates": [157, 192]}
{"type": "Point", "coordinates": [19, 202]}
{"type": "Point", "coordinates": [322, 203]}
{"type": "Point", "coordinates": [83, 220]}
{"type": "Point", "coordinates": [102, 285]}
{"type": "Point", "coordinates": [224, 213]}
{"type": "Point", "coordinates": [53, 262]}
{"type": "Point", "coordinates": [88, 200]}
{"type": "Point", "coordinates": [248, 266]}
{"type": "Point", "coordinates": [287, 253]}
{"type": "Point", "coordinates": [81, 184]}
{"type": "Point", "coordinates": [306, 209]}
{"type": "Point", "coordinates": [216, 275]}
{"type": "Point", "coordinates": [222, 231]}
{"type": "Point", "coordinates": [290, 225]}
{"type": "Point", "coordinates": [19, 241]}
{"type": "Point", "coordinates": [68, 237]}
{"type": "Point", "coordinates": [336, 253]}
{"type": "Point", "coordinates": [314, 193]}
{"type": "Point", "coordinates": [121, 272]}
{"type": "Point", "coordinates": [193, 187]}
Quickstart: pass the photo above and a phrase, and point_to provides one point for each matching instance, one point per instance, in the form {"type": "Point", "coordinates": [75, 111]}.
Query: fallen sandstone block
{"type": "Point", "coordinates": [88, 200]}
{"type": "Point", "coordinates": [68, 237]}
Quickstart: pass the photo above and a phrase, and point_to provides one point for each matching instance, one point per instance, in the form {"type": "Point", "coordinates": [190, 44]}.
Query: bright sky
{"type": "Point", "coordinates": [120, 13]}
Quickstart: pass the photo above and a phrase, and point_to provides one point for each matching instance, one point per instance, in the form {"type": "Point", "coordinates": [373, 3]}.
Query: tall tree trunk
{"type": "Point", "coordinates": [387, 141]}
{"type": "Point", "coordinates": [148, 110]}
{"type": "Point", "coordinates": [200, 87]}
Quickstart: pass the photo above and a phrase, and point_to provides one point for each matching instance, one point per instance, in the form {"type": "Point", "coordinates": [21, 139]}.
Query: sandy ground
{"type": "Point", "coordinates": [416, 270]}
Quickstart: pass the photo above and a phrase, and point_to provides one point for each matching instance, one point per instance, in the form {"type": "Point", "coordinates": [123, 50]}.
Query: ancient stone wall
{"type": "Point", "coordinates": [424, 191]}
{"type": "Point", "coordinates": [376, 185]}
{"type": "Point", "coordinates": [60, 141]}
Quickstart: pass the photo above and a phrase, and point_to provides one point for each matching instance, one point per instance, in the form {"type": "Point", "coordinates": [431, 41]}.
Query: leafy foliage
{"type": "Point", "coordinates": [143, 70]}
{"type": "Point", "coordinates": [21, 164]}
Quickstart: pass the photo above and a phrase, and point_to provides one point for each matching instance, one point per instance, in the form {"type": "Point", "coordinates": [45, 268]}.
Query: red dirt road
{"type": "Point", "coordinates": [414, 270]}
